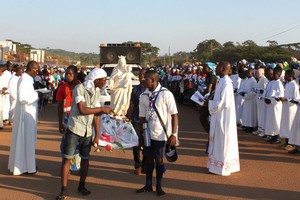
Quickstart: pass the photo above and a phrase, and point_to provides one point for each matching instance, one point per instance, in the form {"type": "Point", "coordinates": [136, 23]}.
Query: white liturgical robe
{"type": "Point", "coordinates": [249, 115]}
{"type": "Point", "coordinates": [223, 142]}
{"type": "Point", "coordinates": [291, 91]}
{"type": "Point", "coordinates": [24, 133]}
{"type": "Point", "coordinates": [274, 109]}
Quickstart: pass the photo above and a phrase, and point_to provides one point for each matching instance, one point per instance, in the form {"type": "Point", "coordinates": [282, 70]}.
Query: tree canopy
{"type": "Point", "coordinates": [207, 50]}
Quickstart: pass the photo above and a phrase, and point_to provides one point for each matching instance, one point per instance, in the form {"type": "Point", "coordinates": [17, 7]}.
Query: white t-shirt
{"type": "Point", "coordinates": [166, 106]}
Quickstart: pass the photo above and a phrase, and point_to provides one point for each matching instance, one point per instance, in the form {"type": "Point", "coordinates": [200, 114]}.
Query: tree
{"type": "Point", "coordinates": [249, 43]}
{"type": "Point", "coordinates": [272, 43]}
{"type": "Point", "coordinates": [204, 50]}
{"type": "Point", "coordinates": [229, 44]}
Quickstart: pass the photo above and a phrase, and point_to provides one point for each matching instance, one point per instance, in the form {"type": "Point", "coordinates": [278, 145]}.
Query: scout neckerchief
{"type": "Point", "coordinates": [153, 97]}
{"type": "Point", "coordinates": [152, 100]}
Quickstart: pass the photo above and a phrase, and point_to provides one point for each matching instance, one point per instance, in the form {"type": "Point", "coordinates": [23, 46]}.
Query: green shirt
{"type": "Point", "coordinates": [78, 123]}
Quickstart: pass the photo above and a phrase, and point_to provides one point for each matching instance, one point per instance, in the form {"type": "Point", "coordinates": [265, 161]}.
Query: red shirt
{"type": "Point", "coordinates": [64, 93]}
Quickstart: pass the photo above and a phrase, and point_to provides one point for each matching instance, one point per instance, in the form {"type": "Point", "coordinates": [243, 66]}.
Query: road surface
{"type": "Point", "coordinates": [267, 172]}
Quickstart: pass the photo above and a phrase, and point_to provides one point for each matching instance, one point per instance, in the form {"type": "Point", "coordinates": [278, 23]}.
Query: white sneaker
{"type": "Point", "coordinates": [261, 134]}
{"type": "Point", "coordinates": [256, 132]}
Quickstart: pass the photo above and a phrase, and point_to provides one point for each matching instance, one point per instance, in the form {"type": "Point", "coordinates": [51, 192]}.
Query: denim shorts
{"type": "Point", "coordinates": [71, 142]}
{"type": "Point", "coordinates": [156, 150]}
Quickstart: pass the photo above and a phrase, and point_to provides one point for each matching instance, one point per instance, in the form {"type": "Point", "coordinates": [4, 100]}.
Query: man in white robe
{"type": "Point", "coordinates": [240, 99]}
{"type": "Point", "coordinates": [291, 92]}
{"type": "Point", "coordinates": [249, 115]}
{"type": "Point", "coordinates": [274, 107]}
{"type": "Point", "coordinates": [223, 151]}
{"type": "Point", "coordinates": [24, 132]}
{"type": "Point", "coordinates": [6, 102]}
{"type": "Point", "coordinates": [261, 86]}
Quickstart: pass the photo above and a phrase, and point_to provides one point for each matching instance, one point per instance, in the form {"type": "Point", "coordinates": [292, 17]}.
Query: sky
{"type": "Point", "coordinates": [170, 25]}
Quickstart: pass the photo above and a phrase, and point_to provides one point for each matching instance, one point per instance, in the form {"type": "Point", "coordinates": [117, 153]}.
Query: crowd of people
{"type": "Point", "coordinates": [266, 96]}
{"type": "Point", "coordinates": [261, 99]}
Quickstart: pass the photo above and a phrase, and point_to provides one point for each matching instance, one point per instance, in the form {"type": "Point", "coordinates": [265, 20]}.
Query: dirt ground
{"type": "Point", "coordinates": [267, 172]}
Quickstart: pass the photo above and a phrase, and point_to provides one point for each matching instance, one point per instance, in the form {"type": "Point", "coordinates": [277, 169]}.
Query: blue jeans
{"type": "Point", "coordinates": [71, 142]}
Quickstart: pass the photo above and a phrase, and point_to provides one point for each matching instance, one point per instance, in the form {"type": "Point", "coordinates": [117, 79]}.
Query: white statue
{"type": "Point", "coordinates": [121, 87]}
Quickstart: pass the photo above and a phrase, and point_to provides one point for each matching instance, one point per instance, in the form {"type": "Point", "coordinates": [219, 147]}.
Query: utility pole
{"type": "Point", "coordinates": [211, 49]}
{"type": "Point", "coordinates": [2, 52]}
{"type": "Point", "coordinates": [169, 56]}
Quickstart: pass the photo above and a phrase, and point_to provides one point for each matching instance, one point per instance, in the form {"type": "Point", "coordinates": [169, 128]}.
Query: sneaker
{"type": "Point", "coordinates": [144, 189]}
{"type": "Point", "coordinates": [289, 147]}
{"type": "Point", "coordinates": [256, 132]}
{"type": "Point", "coordinates": [261, 134]}
{"type": "Point", "coordinates": [159, 191]}
{"type": "Point", "coordinates": [83, 191]}
{"type": "Point", "coordinates": [137, 171]}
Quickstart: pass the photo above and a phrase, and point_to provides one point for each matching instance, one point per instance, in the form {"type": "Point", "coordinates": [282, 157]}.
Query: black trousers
{"type": "Point", "coordinates": [203, 117]}
{"type": "Point", "coordinates": [136, 151]}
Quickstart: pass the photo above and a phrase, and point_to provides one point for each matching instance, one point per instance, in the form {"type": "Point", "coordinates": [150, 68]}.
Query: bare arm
{"type": "Point", "coordinates": [60, 112]}
{"type": "Point", "coordinates": [84, 110]}
{"type": "Point", "coordinates": [96, 123]}
{"type": "Point", "coordinates": [173, 137]}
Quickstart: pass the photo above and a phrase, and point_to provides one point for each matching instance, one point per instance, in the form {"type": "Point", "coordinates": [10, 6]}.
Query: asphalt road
{"type": "Point", "coordinates": [267, 172]}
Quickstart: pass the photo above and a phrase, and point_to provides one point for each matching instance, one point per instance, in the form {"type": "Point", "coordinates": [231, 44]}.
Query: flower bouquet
{"type": "Point", "coordinates": [117, 132]}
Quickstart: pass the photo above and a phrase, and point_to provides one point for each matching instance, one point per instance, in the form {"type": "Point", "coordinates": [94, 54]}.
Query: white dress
{"type": "Point", "coordinates": [24, 133]}
{"type": "Point", "coordinates": [223, 148]}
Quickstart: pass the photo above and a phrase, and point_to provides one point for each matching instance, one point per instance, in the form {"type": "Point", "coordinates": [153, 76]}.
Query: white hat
{"type": "Point", "coordinates": [93, 75]}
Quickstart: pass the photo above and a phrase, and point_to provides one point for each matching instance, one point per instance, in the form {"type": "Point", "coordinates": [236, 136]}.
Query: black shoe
{"type": "Point", "coordinates": [144, 189]}
{"type": "Point", "coordinates": [267, 137]}
{"type": "Point", "coordinates": [274, 140]}
{"type": "Point", "coordinates": [83, 191]}
{"type": "Point", "coordinates": [249, 130]}
{"type": "Point", "coordinates": [159, 191]}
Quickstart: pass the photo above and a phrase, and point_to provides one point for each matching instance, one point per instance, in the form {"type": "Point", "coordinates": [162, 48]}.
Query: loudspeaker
{"type": "Point", "coordinates": [109, 54]}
